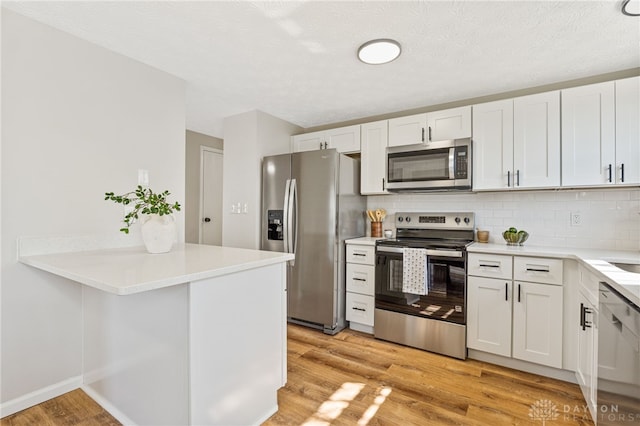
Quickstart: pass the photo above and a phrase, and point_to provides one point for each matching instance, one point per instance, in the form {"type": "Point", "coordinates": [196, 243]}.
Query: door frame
{"type": "Point", "coordinates": [203, 149]}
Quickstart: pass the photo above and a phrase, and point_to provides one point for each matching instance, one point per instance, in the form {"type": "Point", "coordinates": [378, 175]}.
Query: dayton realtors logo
{"type": "Point", "coordinates": [544, 410]}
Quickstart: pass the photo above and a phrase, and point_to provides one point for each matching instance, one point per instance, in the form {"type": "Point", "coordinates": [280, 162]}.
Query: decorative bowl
{"type": "Point", "coordinates": [514, 237]}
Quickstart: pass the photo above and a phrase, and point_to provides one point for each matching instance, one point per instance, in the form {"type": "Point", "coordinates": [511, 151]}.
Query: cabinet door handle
{"type": "Point", "coordinates": [583, 317]}
{"type": "Point", "coordinates": [622, 172]}
{"type": "Point", "coordinates": [610, 177]}
{"type": "Point", "coordinates": [508, 178]}
{"type": "Point", "coordinates": [429, 133]}
{"type": "Point", "coordinates": [518, 293]}
{"type": "Point", "coordinates": [517, 178]}
{"type": "Point", "coordinates": [422, 134]}
{"type": "Point", "coordinates": [383, 188]}
{"type": "Point", "coordinates": [506, 292]}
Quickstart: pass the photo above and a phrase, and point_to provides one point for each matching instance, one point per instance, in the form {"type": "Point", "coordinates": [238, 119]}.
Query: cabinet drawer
{"type": "Point", "coordinates": [361, 278]}
{"type": "Point", "coordinates": [537, 270]}
{"type": "Point", "coordinates": [360, 308]}
{"type": "Point", "coordinates": [490, 265]}
{"type": "Point", "coordinates": [360, 254]}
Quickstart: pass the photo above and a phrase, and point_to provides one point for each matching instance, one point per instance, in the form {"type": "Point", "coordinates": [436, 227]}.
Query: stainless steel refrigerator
{"type": "Point", "coordinates": [311, 203]}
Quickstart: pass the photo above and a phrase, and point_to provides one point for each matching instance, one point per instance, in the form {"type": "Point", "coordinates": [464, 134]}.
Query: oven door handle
{"type": "Point", "coordinates": [430, 252]}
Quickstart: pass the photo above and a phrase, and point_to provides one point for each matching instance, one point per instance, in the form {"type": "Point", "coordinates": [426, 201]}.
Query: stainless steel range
{"type": "Point", "coordinates": [421, 282]}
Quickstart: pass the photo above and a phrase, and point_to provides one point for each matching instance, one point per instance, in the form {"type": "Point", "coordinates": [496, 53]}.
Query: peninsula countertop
{"type": "Point", "coordinates": [131, 270]}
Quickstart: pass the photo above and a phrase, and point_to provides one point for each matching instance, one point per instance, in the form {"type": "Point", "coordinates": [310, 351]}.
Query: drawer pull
{"type": "Point", "coordinates": [359, 309]}
{"type": "Point", "coordinates": [506, 291]}
{"type": "Point", "coordinates": [537, 268]}
{"type": "Point", "coordinates": [359, 279]}
{"type": "Point", "coordinates": [359, 254]}
{"type": "Point", "coordinates": [484, 265]}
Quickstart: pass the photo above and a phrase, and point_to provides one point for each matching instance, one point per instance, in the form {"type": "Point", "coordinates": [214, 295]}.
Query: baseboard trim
{"type": "Point", "coordinates": [38, 396]}
{"type": "Point", "coordinates": [108, 406]}
{"type": "Point", "coordinates": [528, 367]}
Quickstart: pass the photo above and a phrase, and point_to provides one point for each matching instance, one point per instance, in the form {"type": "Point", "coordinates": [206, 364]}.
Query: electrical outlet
{"type": "Point", "coordinates": [576, 219]}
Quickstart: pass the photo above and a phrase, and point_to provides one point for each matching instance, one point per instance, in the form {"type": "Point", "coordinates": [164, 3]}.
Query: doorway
{"type": "Point", "coordinates": [210, 230]}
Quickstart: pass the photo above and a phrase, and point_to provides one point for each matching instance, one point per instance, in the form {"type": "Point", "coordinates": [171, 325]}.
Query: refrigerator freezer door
{"type": "Point", "coordinates": [313, 279]}
{"type": "Point", "coordinates": [276, 171]}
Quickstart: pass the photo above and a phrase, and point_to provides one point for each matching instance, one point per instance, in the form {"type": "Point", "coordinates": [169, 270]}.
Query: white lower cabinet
{"type": "Point", "coordinates": [360, 286]}
{"type": "Point", "coordinates": [518, 319]}
{"type": "Point", "coordinates": [587, 363]}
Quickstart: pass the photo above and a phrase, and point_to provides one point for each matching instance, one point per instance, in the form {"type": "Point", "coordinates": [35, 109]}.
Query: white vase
{"type": "Point", "coordinates": [158, 232]}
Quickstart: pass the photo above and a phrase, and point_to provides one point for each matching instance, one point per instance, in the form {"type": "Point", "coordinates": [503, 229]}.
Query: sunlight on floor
{"type": "Point", "coordinates": [335, 405]}
{"type": "Point", "coordinates": [373, 408]}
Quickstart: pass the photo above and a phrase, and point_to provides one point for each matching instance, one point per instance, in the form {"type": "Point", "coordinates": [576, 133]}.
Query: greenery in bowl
{"type": "Point", "coordinates": [144, 201]}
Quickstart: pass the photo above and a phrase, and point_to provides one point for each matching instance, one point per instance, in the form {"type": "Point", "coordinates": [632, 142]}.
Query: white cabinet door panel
{"type": "Point", "coordinates": [407, 130]}
{"type": "Point", "coordinates": [628, 130]}
{"type": "Point", "coordinates": [308, 141]}
{"type": "Point", "coordinates": [344, 139]}
{"type": "Point", "coordinates": [492, 144]}
{"type": "Point", "coordinates": [588, 134]}
{"type": "Point", "coordinates": [489, 315]}
{"type": "Point", "coordinates": [536, 140]}
{"type": "Point", "coordinates": [373, 157]}
{"type": "Point", "coordinates": [537, 323]}
{"type": "Point", "coordinates": [454, 123]}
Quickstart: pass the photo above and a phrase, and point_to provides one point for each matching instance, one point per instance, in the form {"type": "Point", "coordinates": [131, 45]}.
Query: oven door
{"type": "Point", "coordinates": [446, 285]}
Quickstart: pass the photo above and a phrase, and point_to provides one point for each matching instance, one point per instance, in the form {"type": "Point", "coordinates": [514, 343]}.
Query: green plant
{"type": "Point", "coordinates": [144, 201]}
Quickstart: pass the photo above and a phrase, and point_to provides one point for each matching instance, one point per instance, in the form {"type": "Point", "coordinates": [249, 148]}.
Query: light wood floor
{"type": "Point", "coordinates": [353, 379]}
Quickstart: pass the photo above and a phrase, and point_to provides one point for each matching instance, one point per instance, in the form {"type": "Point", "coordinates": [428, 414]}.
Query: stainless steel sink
{"type": "Point", "coordinates": [629, 267]}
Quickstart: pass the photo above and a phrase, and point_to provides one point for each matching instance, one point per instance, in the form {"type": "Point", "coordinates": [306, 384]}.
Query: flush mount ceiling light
{"type": "Point", "coordinates": [380, 51]}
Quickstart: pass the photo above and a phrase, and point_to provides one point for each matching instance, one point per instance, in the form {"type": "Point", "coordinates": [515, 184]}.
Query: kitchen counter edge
{"type": "Point", "coordinates": [131, 270]}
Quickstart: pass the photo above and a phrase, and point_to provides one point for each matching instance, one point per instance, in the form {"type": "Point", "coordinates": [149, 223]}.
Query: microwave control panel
{"type": "Point", "coordinates": [462, 160]}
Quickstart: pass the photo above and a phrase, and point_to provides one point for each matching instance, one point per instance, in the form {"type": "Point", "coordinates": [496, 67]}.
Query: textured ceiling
{"type": "Point", "coordinates": [296, 59]}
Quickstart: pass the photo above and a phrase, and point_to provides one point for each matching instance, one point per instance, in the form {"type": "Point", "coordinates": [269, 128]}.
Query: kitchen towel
{"type": "Point", "coordinates": [414, 271]}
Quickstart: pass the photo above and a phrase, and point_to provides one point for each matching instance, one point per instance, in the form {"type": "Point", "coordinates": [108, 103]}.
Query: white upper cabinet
{"type": "Point", "coordinates": [454, 123]}
{"type": "Point", "coordinates": [516, 143]}
{"type": "Point", "coordinates": [373, 156]}
{"type": "Point", "coordinates": [308, 141]}
{"type": "Point", "coordinates": [343, 139]}
{"type": "Point", "coordinates": [492, 144]}
{"type": "Point", "coordinates": [407, 130]}
{"type": "Point", "coordinates": [588, 135]}
{"type": "Point", "coordinates": [536, 140]}
{"type": "Point", "coordinates": [628, 131]}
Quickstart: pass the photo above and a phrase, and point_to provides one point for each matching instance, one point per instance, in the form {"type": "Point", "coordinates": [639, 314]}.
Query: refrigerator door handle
{"type": "Point", "coordinates": [293, 217]}
{"type": "Point", "coordinates": [285, 229]}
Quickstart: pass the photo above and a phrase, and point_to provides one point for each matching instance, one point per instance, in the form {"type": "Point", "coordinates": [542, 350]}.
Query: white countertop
{"type": "Point", "coordinates": [132, 270]}
{"type": "Point", "coordinates": [364, 241]}
{"type": "Point", "coordinates": [596, 260]}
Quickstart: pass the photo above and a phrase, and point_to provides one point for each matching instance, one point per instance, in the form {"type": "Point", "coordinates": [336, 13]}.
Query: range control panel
{"type": "Point", "coordinates": [449, 220]}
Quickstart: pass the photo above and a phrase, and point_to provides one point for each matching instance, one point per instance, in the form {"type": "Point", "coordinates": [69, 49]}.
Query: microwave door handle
{"type": "Point", "coordinates": [452, 169]}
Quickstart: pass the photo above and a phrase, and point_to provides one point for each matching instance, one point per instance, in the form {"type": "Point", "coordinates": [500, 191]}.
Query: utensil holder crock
{"type": "Point", "coordinates": [376, 229]}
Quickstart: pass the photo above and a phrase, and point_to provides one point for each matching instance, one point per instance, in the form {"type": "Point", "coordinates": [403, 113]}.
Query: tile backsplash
{"type": "Point", "coordinates": [609, 218]}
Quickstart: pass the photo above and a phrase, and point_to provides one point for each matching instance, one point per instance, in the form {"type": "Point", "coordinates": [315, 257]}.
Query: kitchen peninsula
{"type": "Point", "coordinates": [193, 336]}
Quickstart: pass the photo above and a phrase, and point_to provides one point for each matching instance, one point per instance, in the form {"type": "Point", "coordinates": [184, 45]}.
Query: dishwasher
{"type": "Point", "coordinates": [618, 359]}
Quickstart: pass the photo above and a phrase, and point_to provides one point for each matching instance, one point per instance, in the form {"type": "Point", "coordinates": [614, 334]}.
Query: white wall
{"type": "Point", "coordinates": [610, 217]}
{"type": "Point", "coordinates": [77, 121]}
{"type": "Point", "coordinates": [247, 138]}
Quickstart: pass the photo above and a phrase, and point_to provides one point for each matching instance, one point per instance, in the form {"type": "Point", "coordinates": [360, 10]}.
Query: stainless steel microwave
{"type": "Point", "coordinates": [436, 166]}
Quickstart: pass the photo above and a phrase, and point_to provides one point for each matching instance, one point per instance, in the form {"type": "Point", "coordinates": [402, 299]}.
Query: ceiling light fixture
{"type": "Point", "coordinates": [380, 51]}
{"type": "Point", "coordinates": [636, 12]}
